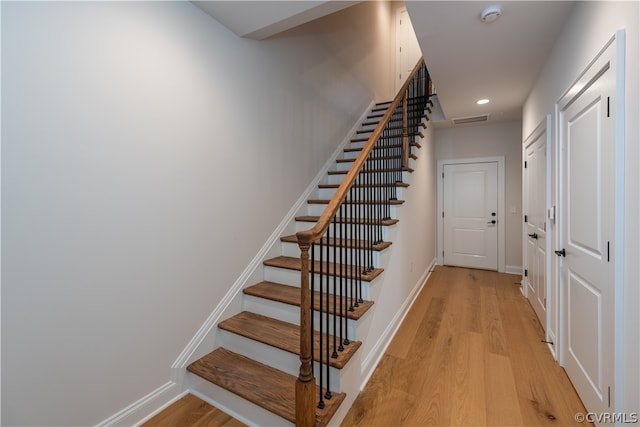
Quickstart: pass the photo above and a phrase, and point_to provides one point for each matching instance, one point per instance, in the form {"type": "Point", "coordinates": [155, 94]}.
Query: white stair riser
{"type": "Point", "coordinates": [342, 166]}
{"type": "Point", "coordinates": [292, 278]}
{"type": "Point", "coordinates": [360, 144]}
{"type": "Point", "coordinates": [361, 210]}
{"type": "Point", "coordinates": [271, 356]}
{"type": "Point", "coordinates": [359, 230]}
{"type": "Point", "coordinates": [292, 250]}
{"type": "Point", "coordinates": [225, 399]}
{"type": "Point", "coordinates": [337, 178]}
{"type": "Point", "coordinates": [290, 313]}
{"type": "Point", "coordinates": [345, 166]}
{"type": "Point", "coordinates": [355, 154]}
{"type": "Point", "coordinates": [327, 193]}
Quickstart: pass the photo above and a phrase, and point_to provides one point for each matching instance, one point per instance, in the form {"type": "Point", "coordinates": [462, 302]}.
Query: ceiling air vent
{"type": "Point", "coordinates": [472, 119]}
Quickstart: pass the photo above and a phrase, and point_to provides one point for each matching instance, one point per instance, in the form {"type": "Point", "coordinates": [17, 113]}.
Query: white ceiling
{"type": "Point", "coordinates": [261, 19]}
{"type": "Point", "coordinates": [467, 59]}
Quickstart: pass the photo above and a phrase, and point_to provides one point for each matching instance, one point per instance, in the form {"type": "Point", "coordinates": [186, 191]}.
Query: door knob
{"type": "Point", "coordinates": [533, 235]}
{"type": "Point", "coordinates": [561, 252]}
{"type": "Point", "coordinates": [493, 221]}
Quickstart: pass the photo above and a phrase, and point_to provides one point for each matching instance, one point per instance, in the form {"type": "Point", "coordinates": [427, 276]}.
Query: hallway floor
{"type": "Point", "coordinates": [469, 353]}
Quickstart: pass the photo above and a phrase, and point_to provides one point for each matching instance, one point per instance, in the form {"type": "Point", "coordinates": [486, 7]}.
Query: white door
{"type": "Point", "coordinates": [587, 142]}
{"type": "Point", "coordinates": [407, 48]}
{"type": "Point", "coordinates": [535, 225]}
{"type": "Point", "coordinates": [470, 215]}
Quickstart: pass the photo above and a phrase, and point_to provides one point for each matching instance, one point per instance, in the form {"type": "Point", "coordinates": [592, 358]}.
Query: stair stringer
{"type": "Point", "coordinates": [204, 340]}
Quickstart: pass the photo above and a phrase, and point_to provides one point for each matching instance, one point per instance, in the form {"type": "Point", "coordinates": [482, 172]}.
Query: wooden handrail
{"type": "Point", "coordinates": [307, 236]}
{"type": "Point", "coordinates": [306, 385]}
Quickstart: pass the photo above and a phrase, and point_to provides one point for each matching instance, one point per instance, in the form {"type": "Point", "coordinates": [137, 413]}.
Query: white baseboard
{"type": "Point", "coordinates": [143, 409]}
{"type": "Point", "coordinates": [373, 358]}
{"type": "Point", "coordinates": [513, 269]}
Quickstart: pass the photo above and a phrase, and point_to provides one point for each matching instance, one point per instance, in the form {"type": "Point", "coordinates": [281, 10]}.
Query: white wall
{"type": "Point", "coordinates": [147, 154]}
{"type": "Point", "coordinates": [488, 140]}
{"type": "Point", "coordinates": [590, 27]}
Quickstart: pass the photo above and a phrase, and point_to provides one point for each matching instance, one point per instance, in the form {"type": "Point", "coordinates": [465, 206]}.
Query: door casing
{"type": "Point", "coordinates": [543, 130]}
{"type": "Point", "coordinates": [501, 204]}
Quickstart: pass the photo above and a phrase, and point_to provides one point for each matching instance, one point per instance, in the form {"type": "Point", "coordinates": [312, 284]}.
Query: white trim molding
{"type": "Point", "coordinates": [146, 407]}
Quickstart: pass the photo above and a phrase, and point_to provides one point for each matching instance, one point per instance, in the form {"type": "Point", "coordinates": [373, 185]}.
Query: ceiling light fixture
{"type": "Point", "coordinates": [490, 14]}
{"type": "Point", "coordinates": [482, 101]}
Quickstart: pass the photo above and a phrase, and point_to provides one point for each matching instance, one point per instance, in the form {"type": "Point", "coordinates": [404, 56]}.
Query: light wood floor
{"type": "Point", "coordinates": [469, 353]}
{"type": "Point", "coordinates": [191, 411]}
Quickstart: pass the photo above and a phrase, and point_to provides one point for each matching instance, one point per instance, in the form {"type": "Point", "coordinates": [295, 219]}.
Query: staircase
{"type": "Point", "coordinates": [258, 358]}
{"type": "Point", "coordinates": [248, 372]}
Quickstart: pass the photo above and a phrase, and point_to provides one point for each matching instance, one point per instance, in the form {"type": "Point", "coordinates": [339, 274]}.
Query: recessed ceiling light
{"type": "Point", "coordinates": [482, 101]}
{"type": "Point", "coordinates": [490, 14]}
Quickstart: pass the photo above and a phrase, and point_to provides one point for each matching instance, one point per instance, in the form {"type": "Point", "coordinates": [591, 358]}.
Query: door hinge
{"type": "Point", "coordinates": [525, 218]}
{"type": "Point", "coordinates": [442, 214]}
{"type": "Point", "coordinates": [526, 273]}
{"type": "Point", "coordinates": [609, 396]}
{"type": "Point", "coordinates": [525, 165]}
{"type": "Point", "coordinates": [608, 251]}
{"type": "Point", "coordinates": [608, 105]}
{"type": "Point", "coordinates": [442, 253]}
{"type": "Point", "coordinates": [442, 175]}
{"type": "Point", "coordinates": [544, 303]}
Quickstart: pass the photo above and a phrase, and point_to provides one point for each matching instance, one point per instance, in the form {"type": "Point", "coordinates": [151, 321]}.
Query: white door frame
{"type": "Point", "coordinates": [613, 51]}
{"type": "Point", "coordinates": [501, 205]}
{"type": "Point", "coordinates": [398, 80]}
{"type": "Point", "coordinates": [550, 291]}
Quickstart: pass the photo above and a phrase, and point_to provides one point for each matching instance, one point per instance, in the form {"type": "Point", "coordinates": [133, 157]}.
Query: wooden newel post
{"type": "Point", "coordinates": [405, 132]}
{"type": "Point", "coordinates": [306, 383]}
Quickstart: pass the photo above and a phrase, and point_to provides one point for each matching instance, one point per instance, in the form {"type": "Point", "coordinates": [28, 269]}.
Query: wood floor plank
{"type": "Point", "coordinates": [468, 406]}
{"type": "Point", "coordinates": [502, 406]}
{"type": "Point", "coordinates": [482, 365]}
{"type": "Point", "coordinates": [492, 322]}
{"type": "Point", "coordinates": [190, 411]}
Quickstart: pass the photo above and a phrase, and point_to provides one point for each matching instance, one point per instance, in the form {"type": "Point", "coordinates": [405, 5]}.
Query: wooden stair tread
{"type": "Point", "coordinates": [291, 263]}
{"type": "Point", "coordinates": [357, 202]}
{"type": "Point", "coordinates": [291, 295]}
{"type": "Point", "coordinates": [260, 384]}
{"type": "Point", "coordinates": [379, 147]}
{"type": "Point", "coordinates": [284, 335]}
{"type": "Point", "coordinates": [372, 158]}
{"type": "Point", "coordinates": [312, 218]}
{"type": "Point", "coordinates": [404, 169]}
{"type": "Point", "coordinates": [342, 243]}
{"type": "Point", "coordinates": [370, 130]}
{"type": "Point", "coordinates": [395, 184]}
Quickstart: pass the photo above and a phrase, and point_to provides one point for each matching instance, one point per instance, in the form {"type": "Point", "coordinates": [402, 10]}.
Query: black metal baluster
{"type": "Point", "coordinates": [325, 357]}
{"type": "Point", "coordinates": [321, 282]}
{"type": "Point", "coordinates": [343, 261]}
{"type": "Point", "coordinates": [336, 277]}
